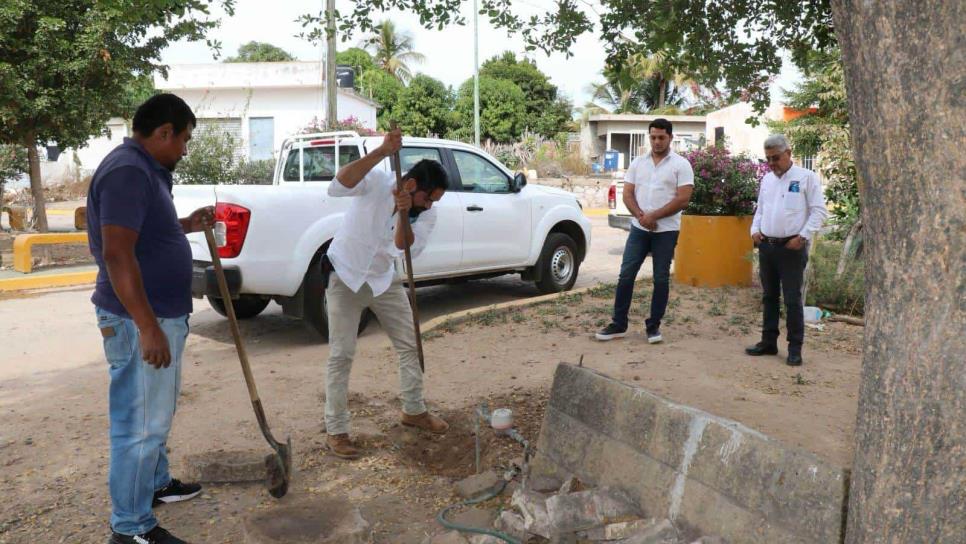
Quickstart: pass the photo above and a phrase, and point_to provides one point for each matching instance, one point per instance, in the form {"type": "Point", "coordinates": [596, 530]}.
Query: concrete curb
{"type": "Point", "coordinates": [697, 469]}
{"type": "Point", "coordinates": [30, 282]}
{"type": "Point", "coordinates": [462, 316]}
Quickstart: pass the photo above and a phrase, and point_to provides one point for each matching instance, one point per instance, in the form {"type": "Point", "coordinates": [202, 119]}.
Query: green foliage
{"type": "Point", "coordinates": [737, 45]}
{"type": "Point", "coordinates": [503, 110]}
{"type": "Point", "coordinates": [424, 107]}
{"type": "Point", "coordinates": [547, 112]}
{"type": "Point", "coordinates": [384, 89]}
{"type": "Point", "coordinates": [137, 92]}
{"type": "Point", "coordinates": [844, 294]}
{"type": "Point", "coordinates": [254, 172]}
{"type": "Point", "coordinates": [260, 52]}
{"type": "Point", "coordinates": [359, 59]}
{"type": "Point", "coordinates": [68, 67]}
{"type": "Point", "coordinates": [631, 89]}
{"type": "Point", "coordinates": [210, 160]}
{"type": "Point", "coordinates": [393, 51]}
{"type": "Point", "coordinates": [824, 133]}
{"type": "Point", "coordinates": [13, 162]}
{"type": "Point", "coordinates": [723, 184]}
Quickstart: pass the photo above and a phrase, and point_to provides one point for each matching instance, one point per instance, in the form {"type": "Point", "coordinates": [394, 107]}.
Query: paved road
{"type": "Point", "coordinates": [54, 331]}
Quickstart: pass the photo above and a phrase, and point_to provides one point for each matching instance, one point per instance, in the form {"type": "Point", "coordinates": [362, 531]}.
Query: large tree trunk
{"type": "Point", "coordinates": [37, 187]}
{"type": "Point", "coordinates": [905, 68]}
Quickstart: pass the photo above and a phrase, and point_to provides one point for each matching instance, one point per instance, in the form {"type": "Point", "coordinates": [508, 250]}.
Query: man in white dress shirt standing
{"type": "Point", "coordinates": [361, 274]}
{"type": "Point", "coordinates": [657, 187]}
{"type": "Point", "coordinates": [791, 210]}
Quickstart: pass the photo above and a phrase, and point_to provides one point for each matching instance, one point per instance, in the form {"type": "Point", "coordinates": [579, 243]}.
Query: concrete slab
{"type": "Point", "coordinates": [680, 463]}
{"type": "Point", "coordinates": [226, 466]}
{"type": "Point", "coordinates": [330, 520]}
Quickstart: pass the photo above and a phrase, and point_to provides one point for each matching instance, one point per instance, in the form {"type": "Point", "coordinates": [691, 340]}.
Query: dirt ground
{"type": "Point", "coordinates": [53, 443]}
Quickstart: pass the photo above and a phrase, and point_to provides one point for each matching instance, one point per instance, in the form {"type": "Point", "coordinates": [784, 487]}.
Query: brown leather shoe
{"type": "Point", "coordinates": [427, 422]}
{"type": "Point", "coordinates": [341, 446]}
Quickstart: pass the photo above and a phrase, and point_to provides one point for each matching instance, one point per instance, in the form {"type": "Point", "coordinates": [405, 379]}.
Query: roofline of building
{"type": "Point", "coordinates": [646, 117]}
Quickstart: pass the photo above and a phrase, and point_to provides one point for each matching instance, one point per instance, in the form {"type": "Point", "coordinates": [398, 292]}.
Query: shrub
{"type": "Point", "coordinates": [723, 184]}
{"type": "Point", "coordinates": [255, 172]}
{"type": "Point", "coordinates": [210, 160]}
{"type": "Point", "coordinates": [844, 294]}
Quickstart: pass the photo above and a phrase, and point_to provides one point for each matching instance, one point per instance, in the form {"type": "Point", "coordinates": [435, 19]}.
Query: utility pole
{"type": "Point", "coordinates": [476, 74]}
{"type": "Point", "coordinates": [331, 86]}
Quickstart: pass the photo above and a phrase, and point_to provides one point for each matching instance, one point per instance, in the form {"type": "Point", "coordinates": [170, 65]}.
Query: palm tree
{"type": "Point", "coordinates": [617, 96]}
{"type": "Point", "coordinates": [393, 50]}
{"type": "Point", "coordinates": [656, 67]}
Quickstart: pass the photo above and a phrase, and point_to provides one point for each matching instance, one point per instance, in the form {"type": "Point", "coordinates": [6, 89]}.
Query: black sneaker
{"type": "Point", "coordinates": [154, 536]}
{"type": "Point", "coordinates": [176, 491]}
{"type": "Point", "coordinates": [611, 332]}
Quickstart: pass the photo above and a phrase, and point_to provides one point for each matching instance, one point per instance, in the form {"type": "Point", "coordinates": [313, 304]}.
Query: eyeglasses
{"type": "Point", "coordinates": [774, 158]}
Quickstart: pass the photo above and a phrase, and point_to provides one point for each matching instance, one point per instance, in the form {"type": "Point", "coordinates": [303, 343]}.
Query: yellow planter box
{"type": "Point", "coordinates": [714, 251]}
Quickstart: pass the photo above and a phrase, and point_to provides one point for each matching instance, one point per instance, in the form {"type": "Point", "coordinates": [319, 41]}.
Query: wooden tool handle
{"type": "Point", "coordinates": [397, 166]}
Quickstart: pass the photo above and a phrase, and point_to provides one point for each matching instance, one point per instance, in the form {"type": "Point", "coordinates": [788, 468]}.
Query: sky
{"type": "Point", "coordinates": [449, 53]}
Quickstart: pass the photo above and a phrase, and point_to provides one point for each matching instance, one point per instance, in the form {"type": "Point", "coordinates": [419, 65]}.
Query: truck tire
{"type": "Point", "coordinates": [558, 264]}
{"type": "Point", "coordinates": [315, 315]}
{"type": "Point", "coordinates": [246, 306]}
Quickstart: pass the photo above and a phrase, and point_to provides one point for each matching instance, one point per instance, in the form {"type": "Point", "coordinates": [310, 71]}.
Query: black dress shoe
{"type": "Point", "coordinates": [794, 359]}
{"type": "Point", "coordinates": [762, 348]}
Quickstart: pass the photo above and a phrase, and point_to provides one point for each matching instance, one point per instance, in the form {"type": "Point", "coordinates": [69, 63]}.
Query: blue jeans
{"type": "Point", "coordinates": [661, 247]}
{"type": "Point", "coordinates": [142, 405]}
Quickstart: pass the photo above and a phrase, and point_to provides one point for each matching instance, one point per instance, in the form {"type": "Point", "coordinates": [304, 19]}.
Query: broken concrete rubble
{"type": "Point", "coordinates": [616, 531]}
{"type": "Point", "coordinates": [477, 484]}
{"type": "Point", "coordinates": [533, 507]}
{"type": "Point", "coordinates": [512, 524]}
{"type": "Point", "coordinates": [572, 512]}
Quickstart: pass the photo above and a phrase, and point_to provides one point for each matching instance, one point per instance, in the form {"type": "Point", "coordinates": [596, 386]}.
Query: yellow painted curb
{"type": "Point", "coordinates": [596, 212]}
{"type": "Point", "coordinates": [465, 315]}
{"type": "Point", "coordinates": [45, 281]}
{"type": "Point", "coordinates": [60, 212]}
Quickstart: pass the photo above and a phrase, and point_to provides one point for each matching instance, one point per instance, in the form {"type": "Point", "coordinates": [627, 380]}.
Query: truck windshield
{"type": "Point", "coordinates": [319, 162]}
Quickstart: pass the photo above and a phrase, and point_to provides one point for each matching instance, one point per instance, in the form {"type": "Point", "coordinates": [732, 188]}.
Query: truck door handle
{"type": "Point", "coordinates": [474, 208]}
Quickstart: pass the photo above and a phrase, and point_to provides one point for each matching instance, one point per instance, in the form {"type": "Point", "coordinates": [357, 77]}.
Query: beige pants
{"type": "Point", "coordinates": [344, 309]}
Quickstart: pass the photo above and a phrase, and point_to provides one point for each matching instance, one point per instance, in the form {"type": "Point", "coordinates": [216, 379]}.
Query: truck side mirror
{"type": "Point", "coordinates": [519, 182]}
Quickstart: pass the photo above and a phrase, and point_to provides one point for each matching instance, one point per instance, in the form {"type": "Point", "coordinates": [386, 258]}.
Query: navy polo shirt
{"type": "Point", "coordinates": [132, 189]}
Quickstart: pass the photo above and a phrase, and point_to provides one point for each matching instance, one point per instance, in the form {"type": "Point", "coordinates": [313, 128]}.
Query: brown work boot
{"type": "Point", "coordinates": [427, 422]}
{"type": "Point", "coordinates": [341, 446]}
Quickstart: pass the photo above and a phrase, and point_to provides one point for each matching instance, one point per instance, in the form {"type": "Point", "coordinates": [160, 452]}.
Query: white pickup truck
{"type": "Point", "coordinates": [490, 223]}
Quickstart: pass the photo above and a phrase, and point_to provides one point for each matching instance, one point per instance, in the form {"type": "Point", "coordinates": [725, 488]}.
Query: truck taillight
{"type": "Point", "coordinates": [233, 221]}
{"type": "Point", "coordinates": [612, 197]}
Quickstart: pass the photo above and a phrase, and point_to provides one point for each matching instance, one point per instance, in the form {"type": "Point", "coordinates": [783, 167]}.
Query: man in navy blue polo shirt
{"type": "Point", "coordinates": [142, 300]}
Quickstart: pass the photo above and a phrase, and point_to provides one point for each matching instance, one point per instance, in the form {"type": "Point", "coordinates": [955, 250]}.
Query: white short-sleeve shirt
{"type": "Point", "coordinates": [655, 185]}
{"type": "Point", "coordinates": [364, 249]}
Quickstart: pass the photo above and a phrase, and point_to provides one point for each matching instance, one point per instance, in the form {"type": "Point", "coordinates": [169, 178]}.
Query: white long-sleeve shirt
{"type": "Point", "coordinates": [364, 248]}
{"type": "Point", "coordinates": [793, 204]}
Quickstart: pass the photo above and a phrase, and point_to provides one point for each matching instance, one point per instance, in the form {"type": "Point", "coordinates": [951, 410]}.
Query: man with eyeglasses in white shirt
{"type": "Point", "coordinates": [791, 210]}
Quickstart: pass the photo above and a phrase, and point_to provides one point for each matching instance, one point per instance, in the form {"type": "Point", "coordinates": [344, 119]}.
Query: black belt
{"type": "Point", "coordinates": [776, 241]}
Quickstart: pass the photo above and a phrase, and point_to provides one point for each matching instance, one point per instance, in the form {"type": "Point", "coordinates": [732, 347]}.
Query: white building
{"type": "Point", "coordinates": [627, 134]}
{"type": "Point", "coordinates": [259, 103]}
{"type": "Point", "coordinates": [729, 125]}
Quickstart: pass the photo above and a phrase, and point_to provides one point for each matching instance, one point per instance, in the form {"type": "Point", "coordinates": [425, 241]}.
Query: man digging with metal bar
{"type": "Point", "coordinates": [360, 270]}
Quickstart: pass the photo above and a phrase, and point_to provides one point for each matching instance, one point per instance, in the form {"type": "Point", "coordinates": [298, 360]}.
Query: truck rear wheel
{"type": "Point", "coordinates": [246, 306]}
{"type": "Point", "coordinates": [558, 264]}
{"type": "Point", "coordinates": [315, 314]}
